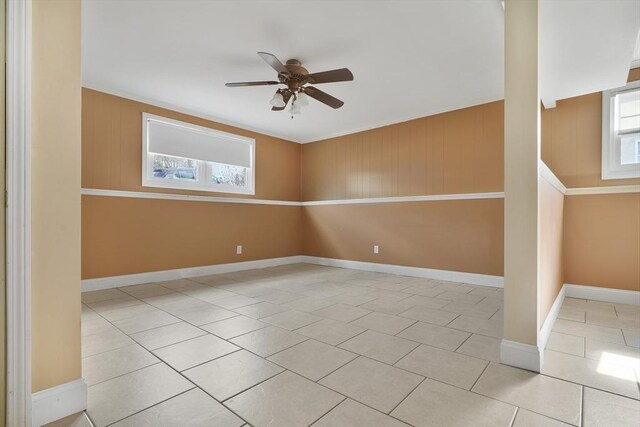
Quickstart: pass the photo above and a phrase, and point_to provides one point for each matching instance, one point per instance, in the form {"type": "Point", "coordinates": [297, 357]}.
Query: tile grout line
{"type": "Point", "coordinates": [149, 407]}
{"type": "Point", "coordinates": [332, 408]}
{"type": "Point", "coordinates": [582, 405]}
{"type": "Point", "coordinates": [366, 404]}
{"type": "Point", "coordinates": [248, 388]}
{"type": "Point", "coordinates": [515, 415]}
{"type": "Point", "coordinates": [462, 343]}
{"type": "Point", "coordinates": [89, 417]}
{"type": "Point", "coordinates": [408, 394]}
{"type": "Point", "coordinates": [479, 376]}
{"type": "Point", "coordinates": [589, 386]}
{"type": "Point", "coordinates": [127, 373]}
{"type": "Point", "coordinates": [338, 368]}
{"type": "Point", "coordinates": [530, 410]}
{"type": "Point", "coordinates": [207, 361]}
{"type": "Point", "coordinates": [200, 388]}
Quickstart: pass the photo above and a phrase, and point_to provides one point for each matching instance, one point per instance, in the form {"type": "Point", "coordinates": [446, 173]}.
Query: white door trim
{"type": "Point", "coordinates": [18, 235]}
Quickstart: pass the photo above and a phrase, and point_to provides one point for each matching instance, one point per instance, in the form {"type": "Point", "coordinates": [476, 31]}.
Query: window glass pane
{"type": "Point", "coordinates": [630, 149]}
{"type": "Point", "coordinates": [234, 176]}
{"type": "Point", "coordinates": [169, 167]}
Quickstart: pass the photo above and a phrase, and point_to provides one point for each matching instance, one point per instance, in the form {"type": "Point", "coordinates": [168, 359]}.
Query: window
{"type": "Point", "coordinates": [621, 132]}
{"type": "Point", "coordinates": [181, 155]}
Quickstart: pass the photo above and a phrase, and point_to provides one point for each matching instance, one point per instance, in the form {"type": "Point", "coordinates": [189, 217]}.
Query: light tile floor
{"type": "Point", "coordinates": [303, 345]}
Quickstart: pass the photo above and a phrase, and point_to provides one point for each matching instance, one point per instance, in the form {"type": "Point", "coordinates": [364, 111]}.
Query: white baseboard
{"type": "Point", "coordinates": [619, 296]}
{"type": "Point", "coordinates": [531, 357]}
{"type": "Point", "coordinates": [58, 402]}
{"type": "Point", "coordinates": [429, 273]}
{"type": "Point", "coordinates": [525, 356]}
{"type": "Point", "coordinates": [547, 326]}
{"type": "Point", "coordinates": [181, 273]}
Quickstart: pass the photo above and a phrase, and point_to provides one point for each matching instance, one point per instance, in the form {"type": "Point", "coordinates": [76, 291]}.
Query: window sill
{"type": "Point", "coordinates": [177, 185]}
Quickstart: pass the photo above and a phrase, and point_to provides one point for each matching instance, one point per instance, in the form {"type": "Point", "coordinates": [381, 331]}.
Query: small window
{"type": "Point", "coordinates": [621, 132]}
{"type": "Point", "coordinates": [181, 155]}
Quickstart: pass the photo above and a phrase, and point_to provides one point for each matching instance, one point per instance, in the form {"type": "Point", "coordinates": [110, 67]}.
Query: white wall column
{"type": "Point", "coordinates": [521, 212]}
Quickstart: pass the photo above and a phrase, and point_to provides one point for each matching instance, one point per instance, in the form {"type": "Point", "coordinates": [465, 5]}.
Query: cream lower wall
{"type": "Point", "coordinates": [460, 235]}
{"type": "Point", "coordinates": [55, 186]}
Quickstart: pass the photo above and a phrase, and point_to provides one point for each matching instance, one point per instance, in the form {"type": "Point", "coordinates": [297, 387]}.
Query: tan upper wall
{"type": "Point", "coordinates": [572, 141]}
{"type": "Point", "coordinates": [455, 152]}
{"type": "Point", "coordinates": [112, 150]}
{"type": "Point", "coordinates": [55, 186]}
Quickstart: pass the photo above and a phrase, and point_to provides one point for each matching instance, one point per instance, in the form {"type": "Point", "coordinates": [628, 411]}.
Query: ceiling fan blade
{"type": "Point", "coordinates": [286, 95]}
{"type": "Point", "coordinates": [239, 84]}
{"type": "Point", "coordinates": [339, 75]}
{"type": "Point", "coordinates": [323, 97]}
{"type": "Point", "coordinates": [274, 62]}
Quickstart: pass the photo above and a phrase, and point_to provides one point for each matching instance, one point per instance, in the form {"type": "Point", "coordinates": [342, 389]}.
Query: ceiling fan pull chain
{"type": "Point", "coordinates": [295, 97]}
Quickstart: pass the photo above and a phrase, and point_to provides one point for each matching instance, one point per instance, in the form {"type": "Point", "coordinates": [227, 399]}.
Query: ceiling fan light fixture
{"type": "Point", "coordinates": [277, 100]}
{"type": "Point", "coordinates": [302, 99]}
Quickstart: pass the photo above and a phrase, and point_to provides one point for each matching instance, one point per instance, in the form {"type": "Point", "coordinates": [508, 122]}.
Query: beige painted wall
{"type": "Point", "coordinates": [168, 234]}
{"type": "Point", "coordinates": [461, 235]}
{"type": "Point", "coordinates": [126, 235]}
{"type": "Point", "coordinates": [550, 272]}
{"type": "Point", "coordinates": [602, 240]}
{"type": "Point", "coordinates": [455, 152]}
{"type": "Point", "coordinates": [112, 150]}
{"type": "Point", "coordinates": [55, 203]}
{"type": "Point", "coordinates": [602, 232]}
{"type": "Point", "coordinates": [572, 141]}
{"type": "Point", "coordinates": [429, 156]}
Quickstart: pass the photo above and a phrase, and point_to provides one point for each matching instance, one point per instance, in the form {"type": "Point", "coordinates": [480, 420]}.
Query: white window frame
{"type": "Point", "coordinates": [611, 166]}
{"type": "Point", "coordinates": [204, 168]}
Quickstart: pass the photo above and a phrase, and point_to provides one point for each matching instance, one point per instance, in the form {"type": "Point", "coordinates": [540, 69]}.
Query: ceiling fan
{"type": "Point", "coordinates": [296, 78]}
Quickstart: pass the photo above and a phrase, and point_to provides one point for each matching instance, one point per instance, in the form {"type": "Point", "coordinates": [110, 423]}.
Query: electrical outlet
{"type": "Point", "coordinates": [239, 249]}
{"type": "Point", "coordinates": [376, 249]}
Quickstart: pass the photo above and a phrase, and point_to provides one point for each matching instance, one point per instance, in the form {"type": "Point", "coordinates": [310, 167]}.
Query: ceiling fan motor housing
{"type": "Point", "coordinates": [297, 74]}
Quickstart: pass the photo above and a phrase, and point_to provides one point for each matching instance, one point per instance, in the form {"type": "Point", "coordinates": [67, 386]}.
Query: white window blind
{"type": "Point", "coordinates": [182, 155]}
{"type": "Point", "coordinates": [628, 112]}
{"type": "Point", "coordinates": [193, 142]}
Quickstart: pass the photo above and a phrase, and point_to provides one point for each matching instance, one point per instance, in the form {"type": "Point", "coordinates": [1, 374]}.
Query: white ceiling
{"type": "Point", "coordinates": [409, 58]}
{"type": "Point", "coordinates": [585, 46]}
